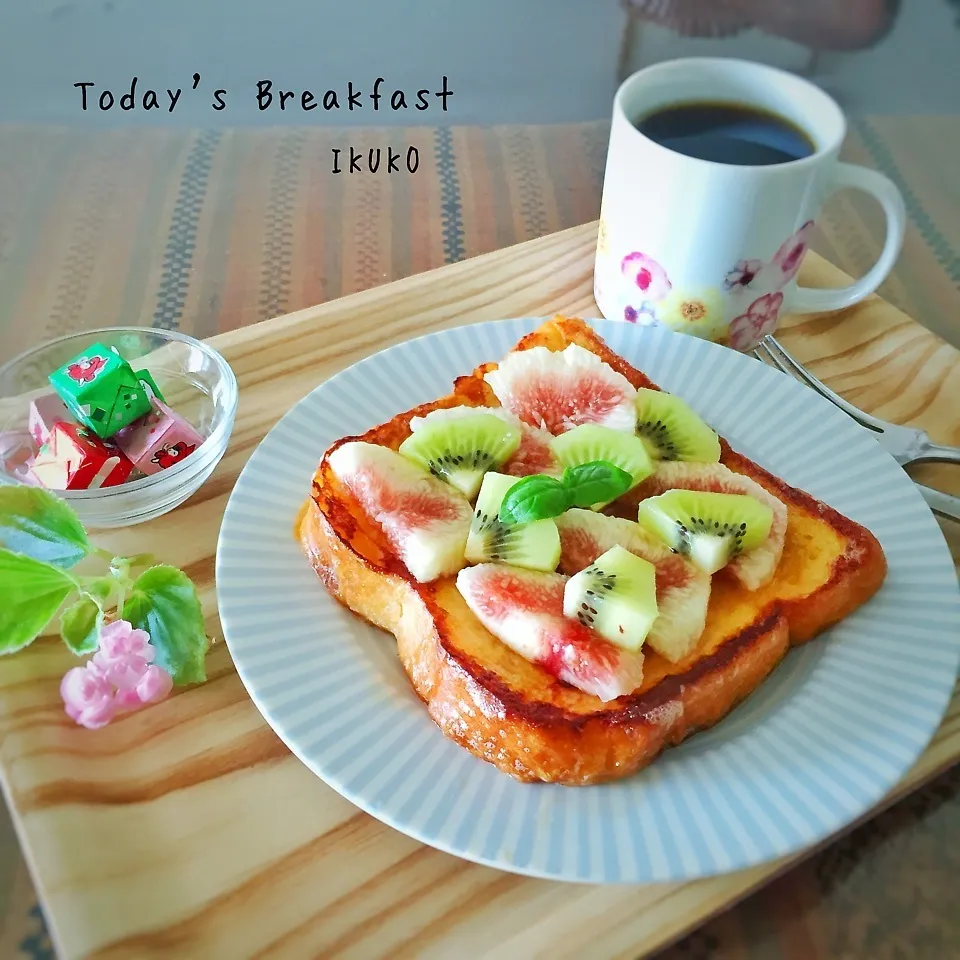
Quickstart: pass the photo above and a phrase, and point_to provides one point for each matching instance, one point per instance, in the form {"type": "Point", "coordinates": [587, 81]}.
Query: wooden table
{"type": "Point", "coordinates": [189, 830]}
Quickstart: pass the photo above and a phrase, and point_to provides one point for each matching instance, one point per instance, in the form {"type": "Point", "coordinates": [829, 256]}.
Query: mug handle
{"type": "Point", "coordinates": [850, 176]}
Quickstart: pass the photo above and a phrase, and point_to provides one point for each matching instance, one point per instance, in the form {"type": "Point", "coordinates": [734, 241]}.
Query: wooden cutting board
{"type": "Point", "coordinates": [189, 830]}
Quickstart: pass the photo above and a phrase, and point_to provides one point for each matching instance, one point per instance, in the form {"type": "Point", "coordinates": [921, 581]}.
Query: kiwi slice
{"type": "Point", "coordinates": [672, 431]}
{"type": "Point", "coordinates": [534, 546]}
{"type": "Point", "coordinates": [460, 451]}
{"type": "Point", "coordinates": [708, 528]}
{"type": "Point", "coordinates": [590, 442]}
{"type": "Point", "coordinates": [616, 596]}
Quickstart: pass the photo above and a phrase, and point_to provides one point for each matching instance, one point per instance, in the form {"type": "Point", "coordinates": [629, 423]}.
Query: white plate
{"type": "Point", "coordinates": [835, 727]}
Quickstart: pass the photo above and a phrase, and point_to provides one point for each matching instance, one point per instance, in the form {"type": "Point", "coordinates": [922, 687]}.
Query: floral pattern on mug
{"type": "Point", "coordinates": [644, 314]}
{"type": "Point", "coordinates": [602, 246]}
{"type": "Point", "coordinates": [704, 312]}
{"type": "Point", "coordinates": [696, 312]}
{"type": "Point", "coordinates": [786, 261]}
{"type": "Point", "coordinates": [742, 275]}
{"type": "Point", "coordinates": [747, 330]}
{"type": "Point", "coordinates": [647, 275]}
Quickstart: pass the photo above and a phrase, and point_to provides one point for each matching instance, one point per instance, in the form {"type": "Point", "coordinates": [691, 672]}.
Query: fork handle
{"type": "Point", "coordinates": [937, 453]}
{"type": "Point", "coordinates": [944, 504]}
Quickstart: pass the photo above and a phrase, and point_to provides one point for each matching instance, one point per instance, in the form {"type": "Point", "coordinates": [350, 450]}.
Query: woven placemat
{"type": "Point", "coordinates": [212, 230]}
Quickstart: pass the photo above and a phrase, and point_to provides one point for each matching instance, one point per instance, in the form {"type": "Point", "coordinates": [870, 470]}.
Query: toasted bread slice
{"type": "Point", "coordinates": [513, 713]}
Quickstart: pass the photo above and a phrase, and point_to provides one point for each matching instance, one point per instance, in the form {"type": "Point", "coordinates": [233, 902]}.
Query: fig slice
{"type": "Point", "coordinates": [559, 390]}
{"type": "Point", "coordinates": [524, 610]}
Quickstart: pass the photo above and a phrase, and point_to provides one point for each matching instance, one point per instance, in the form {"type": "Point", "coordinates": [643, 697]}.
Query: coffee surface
{"type": "Point", "coordinates": [726, 133]}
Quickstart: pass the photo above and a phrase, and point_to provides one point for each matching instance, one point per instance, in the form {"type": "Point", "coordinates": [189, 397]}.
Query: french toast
{"type": "Point", "coordinates": [517, 715]}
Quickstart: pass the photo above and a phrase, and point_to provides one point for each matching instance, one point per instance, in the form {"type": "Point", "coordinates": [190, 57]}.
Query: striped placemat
{"type": "Point", "coordinates": [211, 230]}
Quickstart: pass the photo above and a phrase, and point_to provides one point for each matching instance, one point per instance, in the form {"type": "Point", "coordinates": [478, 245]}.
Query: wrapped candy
{"type": "Point", "coordinates": [75, 458]}
{"type": "Point", "coordinates": [159, 440]}
{"type": "Point", "coordinates": [15, 450]}
{"type": "Point", "coordinates": [45, 411]}
{"type": "Point", "coordinates": [101, 390]}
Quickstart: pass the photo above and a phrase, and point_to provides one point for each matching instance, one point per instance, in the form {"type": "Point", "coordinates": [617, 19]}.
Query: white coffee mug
{"type": "Point", "coordinates": [713, 249]}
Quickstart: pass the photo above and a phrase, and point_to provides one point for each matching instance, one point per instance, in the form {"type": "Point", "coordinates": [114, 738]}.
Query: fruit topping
{"type": "Point", "coordinates": [616, 596]}
{"type": "Point", "coordinates": [461, 450]}
{"type": "Point", "coordinates": [534, 545]}
{"type": "Point", "coordinates": [533, 455]}
{"type": "Point", "coordinates": [559, 390]}
{"type": "Point", "coordinates": [590, 443]}
{"type": "Point", "coordinates": [755, 568]}
{"type": "Point", "coordinates": [524, 610]}
{"type": "Point", "coordinates": [672, 431]}
{"type": "Point", "coordinates": [683, 591]}
{"type": "Point", "coordinates": [709, 528]}
{"type": "Point", "coordinates": [424, 520]}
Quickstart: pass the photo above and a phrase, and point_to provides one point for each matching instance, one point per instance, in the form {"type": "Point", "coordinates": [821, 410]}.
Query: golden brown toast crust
{"type": "Point", "coordinates": [515, 715]}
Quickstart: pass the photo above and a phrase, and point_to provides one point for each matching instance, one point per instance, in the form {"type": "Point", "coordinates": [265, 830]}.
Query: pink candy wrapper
{"type": "Point", "coordinates": [158, 440]}
{"type": "Point", "coordinates": [45, 411]}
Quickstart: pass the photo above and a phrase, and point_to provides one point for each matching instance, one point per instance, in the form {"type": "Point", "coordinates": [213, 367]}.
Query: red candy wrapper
{"type": "Point", "coordinates": [45, 411]}
{"type": "Point", "coordinates": [158, 440]}
{"type": "Point", "coordinates": [75, 458]}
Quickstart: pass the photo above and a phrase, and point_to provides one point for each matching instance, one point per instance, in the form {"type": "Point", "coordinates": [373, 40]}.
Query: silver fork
{"type": "Point", "coordinates": [905, 444]}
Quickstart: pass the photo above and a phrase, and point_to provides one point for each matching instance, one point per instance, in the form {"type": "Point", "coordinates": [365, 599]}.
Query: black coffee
{"type": "Point", "coordinates": [726, 133]}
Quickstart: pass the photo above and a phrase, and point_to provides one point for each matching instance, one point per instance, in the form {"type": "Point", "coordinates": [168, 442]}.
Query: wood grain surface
{"type": "Point", "coordinates": [189, 830]}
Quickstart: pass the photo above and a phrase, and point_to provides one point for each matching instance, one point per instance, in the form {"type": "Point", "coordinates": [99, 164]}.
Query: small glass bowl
{"type": "Point", "coordinates": [195, 381]}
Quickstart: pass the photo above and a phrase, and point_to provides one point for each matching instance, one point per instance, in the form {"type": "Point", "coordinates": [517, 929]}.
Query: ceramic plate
{"type": "Point", "coordinates": [828, 734]}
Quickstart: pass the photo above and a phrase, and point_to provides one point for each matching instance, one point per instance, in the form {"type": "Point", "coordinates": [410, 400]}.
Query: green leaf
{"type": "Point", "coordinates": [32, 593]}
{"type": "Point", "coordinates": [80, 626]}
{"type": "Point", "coordinates": [164, 602]}
{"type": "Point", "coordinates": [534, 498]}
{"type": "Point", "coordinates": [598, 481]}
{"type": "Point", "coordinates": [35, 522]}
{"type": "Point", "coordinates": [98, 589]}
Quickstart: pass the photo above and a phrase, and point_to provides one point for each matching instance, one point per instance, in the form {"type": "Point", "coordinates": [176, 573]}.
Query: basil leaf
{"type": "Point", "coordinates": [598, 481]}
{"type": "Point", "coordinates": [534, 498]}
{"type": "Point", "coordinates": [33, 592]}
{"type": "Point", "coordinates": [164, 602]}
{"type": "Point", "coordinates": [35, 522]}
{"type": "Point", "coordinates": [80, 626]}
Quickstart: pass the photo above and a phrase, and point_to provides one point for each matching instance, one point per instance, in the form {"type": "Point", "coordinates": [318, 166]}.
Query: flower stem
{"type": "Point", "coordinates": [120, 571]}
{"type": "Point", "coordinates": [141, 560]}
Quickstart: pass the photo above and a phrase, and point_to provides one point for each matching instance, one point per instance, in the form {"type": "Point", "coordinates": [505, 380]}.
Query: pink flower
{"type": "Point", "coordinates": [790, 255]}
{"type": "Point", "coordinates": [124, 654]}
{"type": "Point", "coordinates": [747, 330]}
{"type": "Point", "coordinates": [88, 696]}
{"type": "Point", "coordinates": [743, 274]}
{"type": "Point", "coordinates": [123, 672]}
{"type": "Point", "coordinates": [154, 685]}
{"type": "Point", "coordinates": [651, 279]}
{"type": "Point", "coordinates": [119, 677]}
{"type": "Point", "coordinates": [119, 639]}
